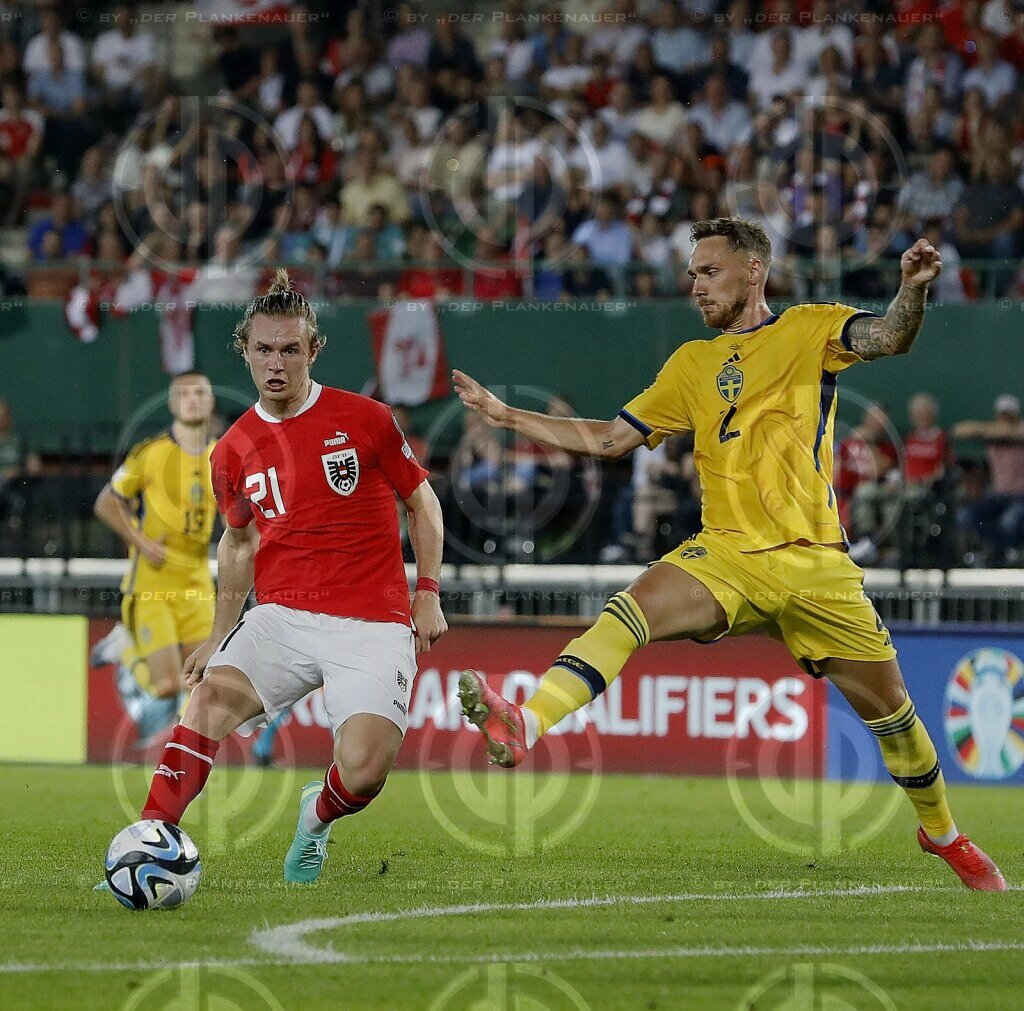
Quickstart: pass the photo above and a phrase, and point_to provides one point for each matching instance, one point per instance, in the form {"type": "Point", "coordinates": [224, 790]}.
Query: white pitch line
{"type": "Point", "coordinates": [287, 941]}
{"type": "Point", "coordinates": [285, 947]}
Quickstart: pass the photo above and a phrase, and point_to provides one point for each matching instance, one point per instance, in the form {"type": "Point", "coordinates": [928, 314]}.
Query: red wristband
{"type": "Point", "coordinates": [427, 585]}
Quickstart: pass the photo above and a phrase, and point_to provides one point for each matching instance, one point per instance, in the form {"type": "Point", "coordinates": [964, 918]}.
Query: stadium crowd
{"type": "Point", "coordinates": [570, 146]}
{"type": "Point", "coordinates": [555, 151]}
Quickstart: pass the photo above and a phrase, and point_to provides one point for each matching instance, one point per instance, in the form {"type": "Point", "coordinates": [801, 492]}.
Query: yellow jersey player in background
{"type": "Point", "coordinates": [760, 399]}
{"type": "Point", "coordinates": [160, 503]}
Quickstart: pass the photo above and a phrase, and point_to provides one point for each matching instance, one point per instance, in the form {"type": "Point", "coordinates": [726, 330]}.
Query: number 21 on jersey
{"type": "Point", "coordinates": [259, 482]}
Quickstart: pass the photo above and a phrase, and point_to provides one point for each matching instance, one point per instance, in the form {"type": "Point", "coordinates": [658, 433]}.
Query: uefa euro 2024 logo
{"type": "Point", "coordinates": [984, 713]}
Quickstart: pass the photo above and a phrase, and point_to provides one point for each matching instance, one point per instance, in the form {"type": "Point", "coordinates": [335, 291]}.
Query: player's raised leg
{"type": "Point", "coordinates": [876, 691]}
{"type": "Point", "coordinates": [365, 748]}
{"type": "Point", "coordinates": [219, 704]}
{"type": "Point", "coordinates": [665, 602]}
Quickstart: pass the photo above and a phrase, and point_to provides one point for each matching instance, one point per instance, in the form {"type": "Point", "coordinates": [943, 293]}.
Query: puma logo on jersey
{"type": "Point", "coordinates": [340, 438]}
{"type": "Point", "coordinates": [164, 770]}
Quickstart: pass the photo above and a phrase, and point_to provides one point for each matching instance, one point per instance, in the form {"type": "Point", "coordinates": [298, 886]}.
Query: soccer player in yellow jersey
{"type": "Point", "coordinates": [160, 503]}
{"type": "Point", "coordinates": [760, 399]}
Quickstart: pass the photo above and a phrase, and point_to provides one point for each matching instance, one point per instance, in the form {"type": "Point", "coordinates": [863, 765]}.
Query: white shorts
{"type": "Point", "coordinates": [363, 666]}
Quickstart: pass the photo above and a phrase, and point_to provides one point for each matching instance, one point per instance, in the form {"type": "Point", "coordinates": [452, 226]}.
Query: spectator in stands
{"type": "Point", "coordinates": [990, 216]}
{"type": "Point", "coordinates": [547, 278]}
{"type": "Point", "coordinates": [825, 31]}
{"type": "Point", "coordinates": [493, 277]}
{"type": "Point", "coordinates": [91, 188]}
{"type": "Point", "coordinates": [678, 48]}
{"type": "Point", "coordinates": [876, 77]}
{"type": "Point", "coordinates": [934, 192]}
{"type": "Point", "coordinates": [927, 452]}
{"type": "Point", "coordinates": [933, 65]}
{"type": "Point", "coordinates": [605, 236]}
{"type": "Point", "coordinates": [236, 64]}
{"type": "Point", "coordinates": [124, 62]}
{"type": "Point", "coordinates": [438, 277]}
{"type": "Point", "coordinates": [63, 223]}
{"type": "Point", "coordinates": [664, 118]}
{"type": "Point", "coordinates": [724, 122]}
{"type": "Point", "coordinates": [603, 160]}
{"type": "Point", "coordinates": [312, 161]}
{"type": "Point", "coordinates": [992, 76]}
{"type": "Point", "coordinates": [621, 35]}
{"type": "Point", "coordinates": [225, 278]}
{"type": "Point", "coordinates": [780, 76]}
{"type": "Point", "coordinates": [270, 84]}
{"type": "Point", "coordinates": [371, 184]}
{"type": "Point", "coordinates": [541, 205]}
{"type": "Point", "coordinates": [866, 475]}
{"type": "Point", "coordinates": [580, 280]}
{"type": "Point", "coordinates": [620, 113]}
{"type": "Point", "coordinates": [21, 137]}
{"type": "Point", "coordinates": [388, 238]}
{"type": "Point", "coordinates": [37, 59]}
{"type": "Point", "coordinates": [307, 103]}
{"type": "Point", "coordinates": [998, 516]}
{"type": "Point", "coordinates": [451, 50]}
{"type": "Point", "coordinates": [721, 64]}
{"type": "Point", "coordinates": [411, 43]}
{"type": "Point", "coordinates": [58, 94]}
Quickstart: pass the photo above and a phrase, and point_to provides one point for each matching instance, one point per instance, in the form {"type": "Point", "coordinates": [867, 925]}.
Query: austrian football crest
{"type": "Point", "coordinates": [342, 470]}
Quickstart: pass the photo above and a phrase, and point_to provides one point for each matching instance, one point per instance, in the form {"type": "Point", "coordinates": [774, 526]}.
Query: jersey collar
{"type": "Point", "coordinates": [765, 322]}
{"type": "Point", "coordinates": [314, 396]}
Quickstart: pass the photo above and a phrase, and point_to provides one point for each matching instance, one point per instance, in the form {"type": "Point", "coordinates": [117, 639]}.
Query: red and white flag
{"type": "Point", "coordinates": [408, 348]}
{"type": "Point", "coordinates": [168, 291]}
{"type": "Point", "coordinates": [82, 312]}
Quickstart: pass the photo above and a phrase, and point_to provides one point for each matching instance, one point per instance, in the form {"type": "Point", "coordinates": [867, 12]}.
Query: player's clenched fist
{"type": "Point", "coordinates": [428, 619]}
{"type": "Point", "coordinates": [480, 399]}
{"type": "Point", "coordinates": [920, 264]}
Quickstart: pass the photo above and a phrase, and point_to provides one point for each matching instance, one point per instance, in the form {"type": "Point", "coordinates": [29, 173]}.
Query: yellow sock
{"type": "Point", "coordinates": [912, 762]}
{"type": "Point", "coordinates": [590, 663]}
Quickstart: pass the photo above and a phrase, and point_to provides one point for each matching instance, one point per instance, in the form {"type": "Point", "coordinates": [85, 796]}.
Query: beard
{"type": "Point", "coordinates": [722, 315]}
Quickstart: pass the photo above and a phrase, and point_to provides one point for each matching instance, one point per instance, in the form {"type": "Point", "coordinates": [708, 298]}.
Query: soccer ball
{"type": "Point", "coordinates": [152, 865]}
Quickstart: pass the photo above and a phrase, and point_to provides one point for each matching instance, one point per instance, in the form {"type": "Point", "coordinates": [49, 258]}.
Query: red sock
{"type": "Point", "coordinates": [335, 801]}
{"type": "Point", "coordinates": [184, 768]}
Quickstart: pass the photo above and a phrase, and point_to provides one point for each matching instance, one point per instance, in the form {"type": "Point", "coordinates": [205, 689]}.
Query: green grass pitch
{"type": "Point", "coordinates": [623, 892]}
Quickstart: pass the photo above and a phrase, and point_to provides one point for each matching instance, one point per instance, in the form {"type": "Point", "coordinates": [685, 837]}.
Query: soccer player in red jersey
{"type": "Point", "coordinates": [306, 480]}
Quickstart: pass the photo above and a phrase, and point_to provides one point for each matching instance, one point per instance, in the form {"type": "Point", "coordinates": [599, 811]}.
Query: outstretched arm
{"type": "Point", "coordinates": [893, 334]}
{"type": "Point", "coordinates": [609, 439]}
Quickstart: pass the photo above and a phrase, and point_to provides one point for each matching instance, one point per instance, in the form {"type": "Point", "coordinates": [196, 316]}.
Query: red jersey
{"type": "Point", "coordinates": [926, 454]}
{"type": "Point", "coordinates": [321, 488]}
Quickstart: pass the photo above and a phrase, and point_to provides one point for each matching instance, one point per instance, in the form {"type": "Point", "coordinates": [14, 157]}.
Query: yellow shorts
{"type": "Point", "coordinates": [160, 618]}
{"type": "Point", "coordinates": [811, 597]}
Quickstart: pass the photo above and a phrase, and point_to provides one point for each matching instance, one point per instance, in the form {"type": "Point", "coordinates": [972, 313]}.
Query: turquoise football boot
{"type": "Point", "coordinates": [305, 857]}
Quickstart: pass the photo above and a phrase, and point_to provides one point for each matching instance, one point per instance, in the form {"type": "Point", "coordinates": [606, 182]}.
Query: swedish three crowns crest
{"type": "Point", "coordinates": [730, 382]}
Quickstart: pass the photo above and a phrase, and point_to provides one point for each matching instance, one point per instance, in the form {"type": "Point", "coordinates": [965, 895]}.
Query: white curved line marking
{"type": "Point", "coordinates": [288, 941]}
{"type": "Point", "coordinates": [285, 946]}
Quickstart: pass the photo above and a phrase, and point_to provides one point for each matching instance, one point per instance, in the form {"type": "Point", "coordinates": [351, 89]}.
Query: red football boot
{"type": "Point", "coordinates": [972, 865]}
{"type": "Point", "coordinates": [499, 720]}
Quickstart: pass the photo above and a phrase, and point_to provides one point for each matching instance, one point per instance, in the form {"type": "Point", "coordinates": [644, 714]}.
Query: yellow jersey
{"type": "Point", "coordinates": [172, 492]}
{"type": "Point", "coordinates": [761, 405]}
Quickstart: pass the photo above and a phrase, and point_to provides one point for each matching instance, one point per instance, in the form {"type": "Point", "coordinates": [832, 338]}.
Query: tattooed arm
{"type": "Point", "coordinates": [893, 334]}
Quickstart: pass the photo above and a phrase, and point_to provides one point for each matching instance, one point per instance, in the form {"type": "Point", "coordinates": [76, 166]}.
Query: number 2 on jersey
{"type": "Point", "coordinates": [259, 482]}
{"type": "Point", "coordinates": [723, 434]}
